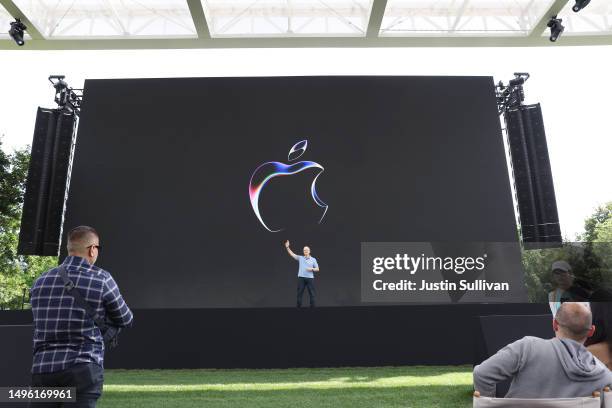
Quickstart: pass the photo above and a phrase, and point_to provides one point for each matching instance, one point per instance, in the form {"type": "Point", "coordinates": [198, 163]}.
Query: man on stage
{"type": "Point", "coordinates": [308, 265]}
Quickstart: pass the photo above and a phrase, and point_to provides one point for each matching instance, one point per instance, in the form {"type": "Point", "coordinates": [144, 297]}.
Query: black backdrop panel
{"type": "Point", "coordinates": [162, 170]}
{"type": "Point", "coordinates": [15, 354]}
{"type": "Point", "coordinates": [290, 337]}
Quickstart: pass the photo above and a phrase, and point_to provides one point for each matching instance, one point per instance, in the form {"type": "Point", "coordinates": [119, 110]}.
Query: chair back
{"type": "Point", "coordinates": [581, 402]}
{"type": "Point", "coordinates": [607, 398]}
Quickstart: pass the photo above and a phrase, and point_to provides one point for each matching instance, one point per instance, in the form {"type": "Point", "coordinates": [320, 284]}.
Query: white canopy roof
{"type": "Point", "coordinates": [135, 24]}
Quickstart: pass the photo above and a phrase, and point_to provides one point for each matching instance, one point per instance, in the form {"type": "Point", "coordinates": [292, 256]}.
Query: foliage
{"type": "Point", "coordinates": [591, 259]}
{"type": "Point", "coordinates": [598, 225]}
{"type": "Point", "coordinates": [603, 231]}
{"type": "Point", "coordinates": [17, 272]}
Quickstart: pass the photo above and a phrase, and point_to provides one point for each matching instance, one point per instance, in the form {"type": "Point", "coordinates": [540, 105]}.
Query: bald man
{"type": "Point", "coordinates": [308, 265]}
{"type": "Point", "coordinates": [68, 345]}
{"type": "Point", "coordinates": [560, 367]}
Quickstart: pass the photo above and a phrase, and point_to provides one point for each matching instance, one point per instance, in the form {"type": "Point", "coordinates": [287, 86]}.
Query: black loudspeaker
{"type": "Point", "coordinates": [46, 186]}
{"type": "Point", "coordinates": [533, 181]}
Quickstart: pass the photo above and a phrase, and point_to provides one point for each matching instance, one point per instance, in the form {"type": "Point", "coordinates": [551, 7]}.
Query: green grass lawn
{"type": "Point", "coordinates": [378, 387]}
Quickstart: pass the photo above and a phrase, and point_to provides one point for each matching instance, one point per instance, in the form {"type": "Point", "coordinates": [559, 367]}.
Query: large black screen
{"type": "Point", "coordinates": [168, 171]}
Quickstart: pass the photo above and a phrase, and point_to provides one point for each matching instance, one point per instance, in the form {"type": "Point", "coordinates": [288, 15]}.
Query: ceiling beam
{"type": "Point", "coordinates": [376, 16]}
{"type": "Point", "coordinates": [199, 19]}
{"type": "Point", "coordinates": [554, 9]}
{"type": "Point", "coordinates": [309, 42]}
{"type": "Point", "coordinates": [16, 12]}
{"type": "Point", "coordinates": [459, 15]}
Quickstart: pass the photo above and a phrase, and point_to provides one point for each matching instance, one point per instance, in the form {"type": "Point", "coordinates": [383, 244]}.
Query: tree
{"type": "Point", "coordinates": [17, 272]}
{"type": "Point", "coordinates": [603, 231]}
{"type": "Point", "coordinates": [598, 238]}
{"type": "Point", "coordinates": [591, 259]}
{"type": "Point", "coordinates": [602, 238]}
{"type": "Point", "coordinates": [598, 224]}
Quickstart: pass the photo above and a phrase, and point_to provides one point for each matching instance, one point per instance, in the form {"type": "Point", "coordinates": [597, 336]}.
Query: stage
{"type": "Point", "coordinates": [290, 337]}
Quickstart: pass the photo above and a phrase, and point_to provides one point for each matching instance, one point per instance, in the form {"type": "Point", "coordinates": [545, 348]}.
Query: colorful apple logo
{"type": "Point", "coordinates": [269, 170]}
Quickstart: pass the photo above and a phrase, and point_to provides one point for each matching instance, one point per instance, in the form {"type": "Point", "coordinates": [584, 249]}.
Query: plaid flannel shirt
{"type": "Point", "coordinates": [63, 333]}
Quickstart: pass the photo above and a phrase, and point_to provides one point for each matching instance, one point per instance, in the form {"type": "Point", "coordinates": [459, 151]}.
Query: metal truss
{"type": "Point", "coordinates": [300, 23]}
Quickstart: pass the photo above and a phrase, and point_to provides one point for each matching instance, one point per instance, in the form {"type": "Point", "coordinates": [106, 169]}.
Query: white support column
{"type": "Point", "coordinates": [199, 19]}
{"type": "Point", "coordinates": [376, 16]}
{"type": "Point", "coordinates": [459, 15]}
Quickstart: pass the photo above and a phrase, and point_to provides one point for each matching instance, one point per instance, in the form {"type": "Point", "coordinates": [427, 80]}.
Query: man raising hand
{"type": "Point", "coordinates": [307, 265]}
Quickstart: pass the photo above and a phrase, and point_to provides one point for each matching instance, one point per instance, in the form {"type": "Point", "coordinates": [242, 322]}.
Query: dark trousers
{"type": "Point", "coordinates": [305, 283]}
{"type": "Point", "coordinates": [87, 378]}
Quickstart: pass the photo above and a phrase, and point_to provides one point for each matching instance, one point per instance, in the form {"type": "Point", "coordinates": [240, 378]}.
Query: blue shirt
{"type": "Point", "coordinates": [309, 262]}
{"type": "Point", "coordinates": [63, 333]}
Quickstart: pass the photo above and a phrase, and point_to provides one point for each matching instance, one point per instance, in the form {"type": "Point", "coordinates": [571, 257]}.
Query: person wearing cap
{"type": "Point", "coordinates": [566, 289]}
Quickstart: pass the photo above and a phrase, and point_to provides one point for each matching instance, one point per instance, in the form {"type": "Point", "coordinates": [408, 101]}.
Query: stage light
{"type": "Point", "coordinates": [580, 4]}
{"type": "Point", "coordinates": [17, 30]}
{"type": "Point", "coordinates": [556, 28]}
{"type": "Point", "coordinates": [67, 98]}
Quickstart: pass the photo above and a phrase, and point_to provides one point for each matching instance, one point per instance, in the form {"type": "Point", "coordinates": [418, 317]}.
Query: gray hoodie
{"type": "Point", "coordinates": [539, 368]}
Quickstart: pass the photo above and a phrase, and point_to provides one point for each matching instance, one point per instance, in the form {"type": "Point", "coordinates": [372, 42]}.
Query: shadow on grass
{"type": "Point", "coordinates": [390, 397]}
{"type": "Point", "coordinates": [270, 376]}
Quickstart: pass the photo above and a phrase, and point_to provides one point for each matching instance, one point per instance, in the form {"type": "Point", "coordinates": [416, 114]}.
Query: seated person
{"type": "Point", "coordinates": [600, 344]}
{"type": "Point", "coordinates": [560, 367]}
